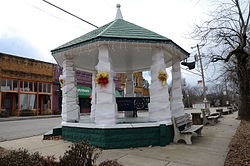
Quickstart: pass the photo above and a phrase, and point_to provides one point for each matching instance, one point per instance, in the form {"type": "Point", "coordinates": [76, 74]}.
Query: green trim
{"type": "Point", "coordinates": [56, 131]}
{"type": "Point", "coordinates": [84, 91]}
{"type": "Point", "coordinates": [121, 137]}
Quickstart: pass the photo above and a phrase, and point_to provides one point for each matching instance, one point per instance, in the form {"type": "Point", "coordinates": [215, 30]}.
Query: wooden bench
{"type": "Point", "coordinates": [183, 128]}
{"type": "Point", "coordinates": [235, 108]}
{"type": "Point", "coordinates": [230, 109]}
{"type": "Point", "coordinates": [220, 111]}
{"type": "Point", "coordinates": [209, 118]}
{"type": "Point", "coordinates": [227, 111]}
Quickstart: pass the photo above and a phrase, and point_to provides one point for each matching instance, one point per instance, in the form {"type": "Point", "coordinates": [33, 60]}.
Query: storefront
{"type": "Point", "coordinates": [19, 97]}
{"type": "Point", "coordinates": [84, 94]}
{"type": "Point", "coordinates": [25, 86]}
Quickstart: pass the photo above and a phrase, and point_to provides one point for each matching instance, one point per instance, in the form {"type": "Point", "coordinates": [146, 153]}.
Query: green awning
{"type": "Point", "coordinates": [118, 94]}
{"type": "Point", "coordinates": [83, 91]}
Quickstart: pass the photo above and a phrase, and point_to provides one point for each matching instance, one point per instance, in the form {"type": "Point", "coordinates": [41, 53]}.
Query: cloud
{"type": "Point", "coordinates": [18, 45]}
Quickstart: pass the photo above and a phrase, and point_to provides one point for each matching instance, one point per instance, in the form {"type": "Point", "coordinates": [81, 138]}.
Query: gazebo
{"type": "Point", "coordinates": [120, 47]}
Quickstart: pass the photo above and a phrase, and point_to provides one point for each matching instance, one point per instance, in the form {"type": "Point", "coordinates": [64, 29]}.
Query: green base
{"type": "Point", "coordinates": [120, 137]}
{"type": "Point", "coordinates": [56, 131]}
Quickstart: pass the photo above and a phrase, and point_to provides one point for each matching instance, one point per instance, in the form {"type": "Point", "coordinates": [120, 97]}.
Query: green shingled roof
{"type": "Point", "coordinates": [118, 29]}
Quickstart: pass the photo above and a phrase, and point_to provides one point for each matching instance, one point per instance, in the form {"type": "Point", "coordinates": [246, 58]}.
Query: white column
{"type": "Point", "coordinates": [106, 108]}
{"type": "Point", "coordinates": [159, 106]}
{"type": "Point", "coordinates": [129, 91]}
{"type": "Point", "coordinates": [70, 107]}
{"type": "Point", "coordinates": [177, 107]}
{"type": "Point", "coordinates": [93, 97]}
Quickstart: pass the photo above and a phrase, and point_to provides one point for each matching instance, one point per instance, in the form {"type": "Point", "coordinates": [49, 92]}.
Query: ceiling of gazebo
{"type": "Point", "coordinates": [125, 56]}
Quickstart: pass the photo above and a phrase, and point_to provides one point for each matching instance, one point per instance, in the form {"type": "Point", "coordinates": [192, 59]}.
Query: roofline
{"type": "Point", "coordinates": [31, 59]}
{"type": "Point", "coordinates": [121, 40]}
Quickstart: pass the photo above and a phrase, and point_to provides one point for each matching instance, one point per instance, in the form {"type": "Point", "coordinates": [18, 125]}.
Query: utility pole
{"type": "Point", "coordinates": [202, 75]}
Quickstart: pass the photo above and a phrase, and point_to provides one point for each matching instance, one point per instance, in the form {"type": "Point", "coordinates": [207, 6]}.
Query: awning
{"type": "Point", "coordinates": [84, 91]}
{"type": "Point", "coordinates": [118, 94]}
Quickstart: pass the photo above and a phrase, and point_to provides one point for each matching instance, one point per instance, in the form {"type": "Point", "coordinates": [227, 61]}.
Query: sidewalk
{"type": "Point", "coordinates": [14, 118]}
{"type": "Point", "coordinates": [209, 150]}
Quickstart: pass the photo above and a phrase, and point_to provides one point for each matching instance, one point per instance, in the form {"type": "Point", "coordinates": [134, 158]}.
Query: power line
{"type": "Point", "coordinates": [69, 13]}
{"type": "Point", "coordinates": [52, 15]}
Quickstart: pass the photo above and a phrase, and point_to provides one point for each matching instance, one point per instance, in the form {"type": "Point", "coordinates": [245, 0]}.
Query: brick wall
{"type": "Point", "coordinates": [23, 68]}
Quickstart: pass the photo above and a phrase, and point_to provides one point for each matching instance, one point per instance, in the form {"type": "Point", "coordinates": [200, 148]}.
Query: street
{"type": "Point", "coordinates": [10, 130]}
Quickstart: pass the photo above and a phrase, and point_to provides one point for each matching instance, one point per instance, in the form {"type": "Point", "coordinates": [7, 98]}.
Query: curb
{"type": "Point", "coordinates": [28, 118]}
{"type": "Point", "coordinates": [16, 118]}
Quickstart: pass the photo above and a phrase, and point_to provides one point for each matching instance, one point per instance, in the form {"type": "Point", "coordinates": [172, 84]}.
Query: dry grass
{"type": "Point", "coordinates": [239, 152]}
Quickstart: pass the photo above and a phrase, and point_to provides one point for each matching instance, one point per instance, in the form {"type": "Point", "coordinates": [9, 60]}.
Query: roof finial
{"type": "Point", "coordinates": [118, 13]}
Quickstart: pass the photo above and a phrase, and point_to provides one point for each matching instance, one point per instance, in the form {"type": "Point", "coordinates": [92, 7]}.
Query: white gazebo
{"type": "Point", "coordinates": [120, 47]}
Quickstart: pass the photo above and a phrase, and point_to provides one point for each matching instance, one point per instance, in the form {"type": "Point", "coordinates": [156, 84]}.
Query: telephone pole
{"type": "Point", "coordinates": [202, 75]}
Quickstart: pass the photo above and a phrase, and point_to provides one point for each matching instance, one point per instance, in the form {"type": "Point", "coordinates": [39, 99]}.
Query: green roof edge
{"type": "Point", "coordinates": [120, 40]}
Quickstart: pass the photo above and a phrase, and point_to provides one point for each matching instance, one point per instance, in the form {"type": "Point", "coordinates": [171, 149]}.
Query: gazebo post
{"type": "Point", "coordinates": [106, 108]}
{"type": "Point", "coordinates": [177, 107]}
{"type": "Point", "coordinates": [159, 106]}
{"type": "Point", "coordinates": [93, 97]}
{"type": "Point", "coordinates": [70, 107]}
{"type": "Point", "coordinates": [129, 91]}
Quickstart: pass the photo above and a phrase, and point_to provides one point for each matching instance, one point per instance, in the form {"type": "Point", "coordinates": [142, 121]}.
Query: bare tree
{"type": "Point", "coordinates": [227, 33]}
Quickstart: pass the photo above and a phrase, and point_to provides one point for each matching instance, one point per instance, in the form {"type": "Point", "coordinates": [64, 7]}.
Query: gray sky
{"type": "Point", "coordinates": [31, 28]}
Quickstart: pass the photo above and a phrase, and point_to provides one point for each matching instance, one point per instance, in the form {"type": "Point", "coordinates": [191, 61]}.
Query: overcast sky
{"type": "Point", "coordinates": [31, 28]}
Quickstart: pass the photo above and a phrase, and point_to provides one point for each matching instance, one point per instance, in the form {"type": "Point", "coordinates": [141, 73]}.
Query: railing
{"type": "Point", "coordinates": [132, 103]}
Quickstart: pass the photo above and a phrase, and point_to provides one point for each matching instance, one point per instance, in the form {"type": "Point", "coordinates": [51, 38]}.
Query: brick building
{"type": "Point", "coordinates": [26, 86]}
{"type": "Point", "coordinates": [141, 86]}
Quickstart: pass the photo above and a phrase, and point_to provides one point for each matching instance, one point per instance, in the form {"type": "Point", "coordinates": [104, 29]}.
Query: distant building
{"type": "Point", "coordinates": [141, 86]}
{"type": "Point", "coordinates": [26, 86]}
{"type": "Point", "coordinates": [200, 105]}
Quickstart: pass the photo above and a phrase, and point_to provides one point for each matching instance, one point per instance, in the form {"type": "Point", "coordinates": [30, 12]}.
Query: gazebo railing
{"type": "Point", "coordinates": [132, 103]}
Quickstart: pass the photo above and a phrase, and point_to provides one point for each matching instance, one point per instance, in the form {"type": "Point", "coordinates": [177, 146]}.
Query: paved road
{"type": "Point", "coordinates": [10, 130]}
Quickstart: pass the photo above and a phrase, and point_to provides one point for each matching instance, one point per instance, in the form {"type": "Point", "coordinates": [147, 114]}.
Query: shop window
{"type": "Point", "coordinates": [31, 86]}
{"type": "Point", "coordinates": [35, 87]}
{"type": "Point", "coordinates": [9, 85]}
{"type": "Point", "coordinates": [46, 102]}
{"type": "Point", "coordinates": [26, 86]}
{"type": "Point", "coordinates": [40, 87]}
{"type": "Point", "coordinates": [27, 101]}
{"type": "Point", "coordinates": [44, 88]}
{"type": "Point", "coordinates": [48, 88]}
{"type": "Point", "coordinates": [3, 84]}
{"type": "Point", "coordinates": [21, 86]}
{"type": "Point", "coordinates": [15, 87]}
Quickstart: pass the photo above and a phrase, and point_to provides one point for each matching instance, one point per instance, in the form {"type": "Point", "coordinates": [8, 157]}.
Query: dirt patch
{"type": "Point", "coordinates": [239, 152]}
{"type": "Point", "coordinates": [2, 150]}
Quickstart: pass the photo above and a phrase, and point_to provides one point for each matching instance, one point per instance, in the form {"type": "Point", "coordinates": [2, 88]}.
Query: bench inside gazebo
{"type": "Point", "coordinates": [120, 47]}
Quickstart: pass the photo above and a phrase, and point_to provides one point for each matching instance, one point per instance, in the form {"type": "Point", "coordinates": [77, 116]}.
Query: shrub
{"type": "Point", "coordinates": [110, 163]}
{"type": "Point", "coordinates": [80, 154]}
{"type": "Point", "coordinates": [22, 157]}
